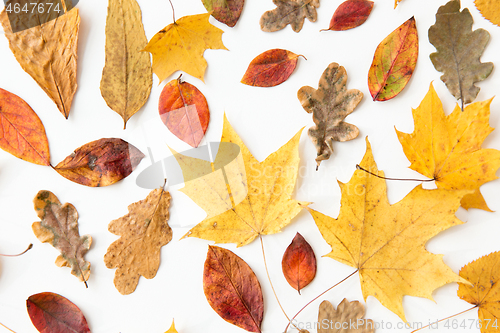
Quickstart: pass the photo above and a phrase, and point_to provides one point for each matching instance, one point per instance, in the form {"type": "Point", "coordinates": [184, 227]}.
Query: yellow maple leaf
{"type": "Point", "coordinates": [448, 148]}
{"type": "Point", "coordinates": [489, 9]}
{"type": "Point", "coordinates": [180, 46]}
{"type": "Point", "coordinates": [484, 273]}
{"type": "Point", "coordinates": [386, 243]}
{"type": "Point", "coordinates": [244, 198]}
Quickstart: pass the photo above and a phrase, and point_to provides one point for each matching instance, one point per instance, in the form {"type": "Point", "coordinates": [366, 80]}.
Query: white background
{"type": "Point", "coordinates": [265, 118]}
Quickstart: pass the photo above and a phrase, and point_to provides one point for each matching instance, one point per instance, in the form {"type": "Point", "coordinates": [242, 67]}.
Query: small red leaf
{"type": "Point", "coordinates": [350, 14]}
{"type": "Point", "coordinates": [299, 263]}
{"type": "Point", "coordinates": [270, 68]}
{"type": "Point", "coordinates": [232, 289]}
{"type": "Point", "coordinates": [184, 110]}
{"type": "Point", "coordinates": [53, 313]}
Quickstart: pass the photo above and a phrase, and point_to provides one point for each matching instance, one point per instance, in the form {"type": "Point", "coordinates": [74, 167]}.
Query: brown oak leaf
{"type": "Point", "coordinates": [292, 12]}
{"type": "Point", "coordinates": [348, 318]}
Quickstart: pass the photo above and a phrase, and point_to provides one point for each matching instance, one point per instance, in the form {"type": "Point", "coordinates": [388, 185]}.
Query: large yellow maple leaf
{"type": "Point", "coordinates": [448, 148]}
{"type": "Point", "coordinates": [386, 243]}
{"type": "Point", "coordinates": [243, 198]}
{"type": "Point", "coordinates": [180, 46]}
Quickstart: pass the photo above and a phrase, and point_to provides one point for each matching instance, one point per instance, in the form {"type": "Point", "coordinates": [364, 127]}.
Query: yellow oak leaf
{"type": "Point", "coordinates": [448, 148]}
{"type": "Point", "coordinates": [484, 273]}
{"type": "Point", "coordinates": [386, 243]}
{"type": "Point", "coordinates": [180, 46]}
{"type": "Point", "coordinates": [489, 9]}
{"type": "Point", "coordinates": [244, 198]}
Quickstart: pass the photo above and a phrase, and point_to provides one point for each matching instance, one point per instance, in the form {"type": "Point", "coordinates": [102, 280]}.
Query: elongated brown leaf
{"type": "Point", "coordinates": [299, 263]}
{"type": "Point", "coordinates": [347, 318]}
{"type": "Point", "coordinates": [225, 11]}
{"type": "Point", "coordinates": [292, 12]}
{"type": "Point", "coordinates": [100, 163]}
{"type": "Point", "coordinates": [350, 14]}
{"type": "Point", "coordinates": [21, 131]}
{"type": "Point", "coordinates": [330, 104]}
{"type": "Point", "coordinates": [127, 76]}
{"type": "Point", "coordinates": [144, 230]}
{"type": "Point", "coordinates": [48, 53]}
{"type": "Point", "coordinates": [53, 313]}
{"type": "Point", "coordinates": [59, 227]}
{"type": "Point", "coordinates": [232, 289]}
{"type": "Point", "coordinates": [459, 51]}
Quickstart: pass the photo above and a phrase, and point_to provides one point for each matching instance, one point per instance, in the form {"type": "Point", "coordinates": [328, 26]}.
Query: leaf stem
{"type": "Point", "coordinates": [315, 298]}
{"type": "Point", "coordinates": [401, 179]}
{"type": "Point", "coordinates": [418, 329]}
{"type": "Point", "coordinates": [173, 10]}
{"type": "Point", "coordinates": [7, 328]}
{"type": "Point", "coordinates": [19, 254]}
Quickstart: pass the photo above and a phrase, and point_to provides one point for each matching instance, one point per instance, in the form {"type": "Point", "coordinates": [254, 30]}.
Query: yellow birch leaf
{"type": "Point", "coordinates": [180, 46]}
{"type": "Point", "coordinates": [244, 198]}
{"type": "Point", "coordinates": [450, 150]}
{"type": "Point", "coordinates": [386, 243]}
{"type": "Point", "coordinates": [490, 9]}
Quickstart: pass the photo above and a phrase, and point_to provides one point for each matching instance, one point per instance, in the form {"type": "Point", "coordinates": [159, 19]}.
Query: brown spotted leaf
{"type": "Point", "coordinates": [330, 104]}
{"type": "Point", "coordinates": [48, 53]}
{"type": "Point", "coordinates": [341, 320]}
{"type": "Point", "coordinates": [144, 230]}
{"type": "Point", "coordinates": [292, 12]}
{"type": "Point", "coordinates": [350, 14]}
{"type": "Point", "coordinates": [225, 11]}
{"type": "Point", "coordinates": [299, 263]}
{"type": "Point", "coordinates": [59, 227]}
{"type": "Point", "coordinates": [270, 68]}
{"type": "Point", "coordinates": [232, 289]}
{"type": "Point", "coordinates": [459, 51]}
{"type": "Point", "coordinates": [100, 163]}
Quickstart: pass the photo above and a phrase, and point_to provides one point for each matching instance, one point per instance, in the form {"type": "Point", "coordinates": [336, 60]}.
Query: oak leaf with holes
{"type": "Point", "coordinates": [345, 314]}
{"type": "Point", "coordinates": [450, 150]}
{"type": "Point", "coordinates": [292, 12]}
{"type": "Point", "coordinates": [144, 230]}
{"type": "Point", "coordinates": [180, 46]}
{"type": "Point", "coordinates": [258, 201]}
{"type": "Point", "coordinates": [330, 104]}
{"type": "Point", "coordinates": [484, 273]}
{"type": "Point", "coordinates": [386, 243]}
{"type": "Point", "coordinates": [59, 227]}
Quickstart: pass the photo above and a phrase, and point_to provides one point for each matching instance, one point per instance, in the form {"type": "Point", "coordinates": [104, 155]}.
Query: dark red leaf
{"type": "Point", "coordinates": [53, 313]}
{"type": "Point", "coordinates": [299, 263]}
{"type": "Point", "coordinates": [350, 14]}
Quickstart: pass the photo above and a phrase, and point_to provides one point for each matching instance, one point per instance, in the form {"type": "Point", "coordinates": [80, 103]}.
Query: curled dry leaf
{"type": "Point", "coordinates": [299, 263]}
{"type": "Point", "coordinates": [226, 11]}
{"type": "Point", "coordinates": [485, 274]}
{"type": "Point", "coordinates": [270, 68]}
{"type": "Point", "coordinates": [350, 14]}
{"type": "Point", "coordinates": [489, 9]}
{"type": "Point", "coordinates": [53, 313]}
{"type": "Point", "coordinates": [450, 150]}
{"type": "Point", "coordinates": [330, 104]}
{"type": "Point", "coordinates": [347, 318]}
{"type": "Point", "coordinates": [459, 51]}
{"type": "Point", "coordinates": [386, 243]}
{"type": "Point", "coordinates": [21, 131]}
{"type": "Point", "coordinates": [394, 62]}
{"type": "Point", "coordinates": [59, 227]}
{"type": "Point", "coordinates": [100, 163]}
{"type": "Point", "coordinates": [184, 110]}
{"type": "Point", "coordinates": [180, 46]}
{"type": "Point", "coordinates": [144, 230]}
{"type": "Point", "coordinates": [232, 289]}
{"type": "Point", "coordinates": [48, 53]}
{"type": "Point", "coordinates": [127, 76]}
{"type": "Point", "coordinates": [292, 12]}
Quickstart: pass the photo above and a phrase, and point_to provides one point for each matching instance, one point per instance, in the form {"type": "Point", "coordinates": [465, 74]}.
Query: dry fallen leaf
{"type": "Point", "coordinates": [100, 163]}
{"type": "Point", "coordinates": [144, 230]}
{"type": "Point", "coordinates": [330, 104]}
{"type": "Point", "coordinates": [450, 150]}
{"type": "Point", "coordinates": [299, 263]}
{"type": "Point", "coordinates": [350, 14]}
{"type": "Point", "coordinates": [259, 200]}
{"type": "Point", "coordinates": [484, 273]}
{"type": "Point", "coordinates": [292, 12]}
{"type": "Point", "coordinates": [386, 243]}
{"type": "Point", "coordinates": [21, 131]}
{"type": "Point", "coordinates": [48, 53]}
{"type": "Point", "coordinates": [394, 62]}
{"type": "Point", "coordinates": [127, 76]}
{"type": "Point", "coordinates": [180, 46]}
{"type": "Point", "coordinates": [347, 318]}
{"type": "Point", "coordinates": [232, 289]}
{"type": "Point", "coordinates": [459, 51]}
{"type": "Point", "coordinates": [225, 11]}
{"type": "Point", "coordinates": [59, 227]}
{"type": "Point", "coordinates": [489, 9]}
{"type": "Point", "coordinates": [53, 313]}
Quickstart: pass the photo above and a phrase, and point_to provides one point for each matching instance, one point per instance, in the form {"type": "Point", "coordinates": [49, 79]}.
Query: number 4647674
{"type": "Point", "coordinates": [471, 323]}
{"type": "Point", "coordinates": [33, 7]}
